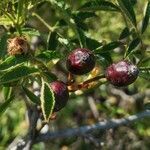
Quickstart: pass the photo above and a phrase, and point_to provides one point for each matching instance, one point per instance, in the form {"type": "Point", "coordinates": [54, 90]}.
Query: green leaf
{"type": "Point", "coordinates": [105, 59]}
{"type": "Point", "coordinates": [30, 31]}
{"type": "Point", "coordinates": [61, 23]}
{"type": "Point", "coordinates": [20, 10]}
{"type": "Point", "coordinates": [49, 76]}
{"type": "Point", "coordinates": [125, 33]}
{"type": "Point", "coordinates": [12, 61]}
{"type": "Point", "coordinates": [64, 41]}
{"type": "Point", "coordinates": [5, 105]}
{"type": "Point", "coordinates": [127, 8]}
{"type": "Point", "coordinates": [145, 62]}
{"type": "Point", "coordinates": [132, 46]}
{"type": "Point", "coordinates": [52, 41]}
{"type": "Point", "coordinates": [84, 15]}
{"type": "Point", "coordinates": [146, 17]}
{"type": "Point", "coordinates": [60, 4]}
{"type": "Point", "coordinates": [17, 73]}
{"type": "Point", "coordinates": [80, 24]}
{"type": "Point", "coordinates": [35, 99]}
{"type": "Point", "coordinates": [79, 20]}
{"type": "Point", "coordinates": [108, 47]}
{"type": "Point", "coordinates": [147, 105]}
{"type": "Point", "coordinates": [47, 100]}
{"type": "Point", "coordinates": [92, 43]}
{"type": "Point", "coordinates": [7, 91]}
{"type": "Point", "coordinates": [48, 55]}
{"type": "Point", "coordinates": [3, 45]}
{"type": "Point", "coordinates": [5, 21]}
{"type": "Point", "coordinates": [99, 5]}
{"type": "Point", "coordinates": [145, 74]}
{"type": "Point", "coordinates": [82, 37]}
{"type": "Point", "coordinates": [133, 2]}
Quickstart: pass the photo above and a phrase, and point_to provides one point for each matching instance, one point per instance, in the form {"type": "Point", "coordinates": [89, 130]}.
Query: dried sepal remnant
{"type": "Point", "coordinates": [122, 73]}
{"type": "Point", "coordinates": [80, 61]}
{"type": "Point", "coordinates": [18, 45]}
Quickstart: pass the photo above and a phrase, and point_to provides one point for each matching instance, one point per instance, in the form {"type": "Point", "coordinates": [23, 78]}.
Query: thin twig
{"type": "Point", "coordinates": [45, 23]}
{"type": "Point", "coordinates": [93, 107]}
{"type": "Point", "coordinates": [74, 87]}
{"type": "Point", "coordinates": [105, 125]}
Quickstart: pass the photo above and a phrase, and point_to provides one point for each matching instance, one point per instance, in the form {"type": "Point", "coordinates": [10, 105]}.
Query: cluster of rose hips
{"type": "Point", "coordinates": [79, 62]}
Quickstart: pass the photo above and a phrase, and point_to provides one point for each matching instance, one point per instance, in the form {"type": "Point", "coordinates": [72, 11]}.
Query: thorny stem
{"type": "Point", "coordinates": [13, 21]}
{"type": "Point", "coordinates": [93, 79]}
{"type": "Point", "coordinates": [126, 19]}
{"type": "Point", "coordinates": [51, 29]}
{"type": "Point", "coordinates": [73, 87]}
{"type": "Point", "coordinates": [70, 79]}
{"type": "Point", "coordinates": [39, 63]}
{"type": "Point", "coordinates": [45, 23]}
{"type": "Point", "coordinates": [68, 18]}
{"type": "Point", "coordinates": [101, 126]}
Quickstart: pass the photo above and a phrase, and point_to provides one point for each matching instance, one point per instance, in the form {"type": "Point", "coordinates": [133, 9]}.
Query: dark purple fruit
{"type": "Point", "coordinates": [80, 61]}
{"type": "Point", "coordinates": [122, 73]}
{"type": "Point", "coordinates": [61, 94]}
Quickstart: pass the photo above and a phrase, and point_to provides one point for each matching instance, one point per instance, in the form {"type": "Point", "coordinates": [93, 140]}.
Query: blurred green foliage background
{"type": "Point", "coordinates": [106, 27]}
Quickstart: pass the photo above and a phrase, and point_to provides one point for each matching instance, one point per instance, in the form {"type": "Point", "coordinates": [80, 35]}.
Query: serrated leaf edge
{"type": "Point", "coordinates": [42, 101]}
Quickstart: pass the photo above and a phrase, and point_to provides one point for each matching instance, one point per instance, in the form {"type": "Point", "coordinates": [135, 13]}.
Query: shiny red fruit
{"type": "Point", "coordinates": [122, 73]}
{"type": "Point", "coordinates": [61, 94]}
{"type": "Point", "coordinates": [80, 61]}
